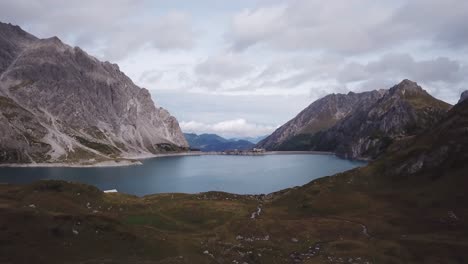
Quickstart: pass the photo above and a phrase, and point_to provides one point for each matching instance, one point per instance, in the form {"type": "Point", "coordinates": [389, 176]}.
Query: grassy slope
{"type": "Point", "coordinates": [345, 216]}
{"type": "Point", "coordinates": [375, 214]}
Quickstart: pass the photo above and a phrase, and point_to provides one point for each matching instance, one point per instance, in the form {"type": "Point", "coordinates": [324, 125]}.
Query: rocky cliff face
{"type": "Point", "coordinates": [405, 109]}
{"type": "Point", "coordinates": [440, 149]}
{"type": "Point", "coordinates": [59, 104]}
{"type": "Point", "coordinates": [320, 115]}
{"type": "Point", "coordinates": [372, 125]}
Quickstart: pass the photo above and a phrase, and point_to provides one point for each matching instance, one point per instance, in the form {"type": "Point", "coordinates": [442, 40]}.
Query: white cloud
{"type": "Point", "coordinates": [229, 128]}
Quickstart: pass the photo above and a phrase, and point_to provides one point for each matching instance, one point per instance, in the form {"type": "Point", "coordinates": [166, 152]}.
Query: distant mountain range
{"type": "Point", "coordinates": [59, 104]}
{"type": "Point", "coordinates": [359, 125]}
{"type": "Point", "coordinates": [213, 142]}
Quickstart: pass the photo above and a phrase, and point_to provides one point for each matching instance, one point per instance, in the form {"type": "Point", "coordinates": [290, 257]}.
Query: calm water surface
{"type": "Point", "coordinates": [192, 174]}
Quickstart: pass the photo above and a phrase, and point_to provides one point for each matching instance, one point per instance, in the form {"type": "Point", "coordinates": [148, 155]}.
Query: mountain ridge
{"type": "Point", "coordinates": [370, 127]}
{"type": "Point", "coordinates": [319, 115]}
{"type": "Point", "coordinates": [78, 107]}
{"type": "Point", "coordinates": [213, 142]}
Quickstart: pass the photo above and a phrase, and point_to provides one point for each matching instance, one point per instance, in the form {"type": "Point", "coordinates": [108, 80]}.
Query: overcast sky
{"type": "Point", "coordinates": [244, 67]}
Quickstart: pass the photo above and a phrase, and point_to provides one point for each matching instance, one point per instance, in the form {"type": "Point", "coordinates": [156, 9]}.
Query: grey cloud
{"type": "Point", "coordinates": [114, 28]}
{"type": "Point", "coordinates": [215, 71]}
{"type": "Point", "coordinates": [225, 66]}
{"type": "Point", "coordinates": [228, 128]}
{"type": "Point", "coordinates": [353, 72]}
{"type": "Point", "coordinates": [304, 47]}
{"type": "Point", "coordinates": [151, 76]}
{"type": "Point", "coordinates": [319, 91]}
{"type": "Point", "coordinates": [341, 26]}
{"type": "Point", "coordinates": [443, 77]}
{"type": "Point", "coordinates": [252, 26]}
{"type": "Point", "coordinates": [288, 82]}
{"type": "Point", "coordinates": [351, 27]}
{"type": "Point", "coordinates": [172, 31]}
{"type": "Point", "coordinates": [396, 65]}
{"type": "Point", "coordinates": [213, 108]}
{"type": "Point", "coordinates": [272, 70]}
{"type": "Point", "coordinates": [376, 83]}
{"type": "Point", "coordinates": [442, 21]}
{"type": "Point", "coordinates": [291, 72]}
{"type": "Point", "coordinates": [208, 83]}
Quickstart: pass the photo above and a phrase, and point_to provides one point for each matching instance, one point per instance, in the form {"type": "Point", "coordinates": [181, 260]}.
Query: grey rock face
{"type": "Point", "coordinates": [463, 96]}
{"type": "Point", "coordinates": [439, 149]}
{"type": "Point", "coordinates": [405, 110]}
{"type": "Point", "coordinates": [373, 124]}
{"type": "Point", "coordinates": [60, 104]}
{"type": "Point", "coordinates": [318, 116]}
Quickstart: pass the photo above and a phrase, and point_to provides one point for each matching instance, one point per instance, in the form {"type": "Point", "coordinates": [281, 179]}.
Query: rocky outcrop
{"type": "Point", "coordinates": [60, 104]}
{"type": "Point", "coordinates": [442, 148]}
{"type": "Point", "coordinates": [463, 96]}
{"type": "Point", "coordinates": [368, 129]}
{"type": "Point", "coordinates": [318, 116]}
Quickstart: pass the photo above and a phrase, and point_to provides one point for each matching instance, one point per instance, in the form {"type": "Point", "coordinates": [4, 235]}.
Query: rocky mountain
{"type": "Point", "coordinates": [59, 104]}
{"type": "Point", "coordinates": [366, 131]}
{"type": "Point", "coordinates": [213, 142]}
{"type": "Point", "coordinates": [320, 115]}
{"type": "Point", "coordinates": [405, 110]}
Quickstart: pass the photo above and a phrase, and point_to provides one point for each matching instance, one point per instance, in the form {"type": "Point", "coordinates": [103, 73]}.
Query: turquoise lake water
{"type": "Point", "coordinates": [193, 174]}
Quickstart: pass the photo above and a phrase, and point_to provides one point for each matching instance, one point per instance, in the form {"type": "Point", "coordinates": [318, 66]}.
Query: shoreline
{"type": "Point", "coordinates": [307, 152]}
{"type": "Point", "coordinates": [102, 164]}
{"type": "Point", "coordinates": [136, 160]}
{"type": "Point", "coordinates": [223, 153]}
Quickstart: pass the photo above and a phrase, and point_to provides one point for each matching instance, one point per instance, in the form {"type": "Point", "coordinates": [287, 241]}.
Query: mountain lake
{"type": "Point", "coordinates": [193, 174]}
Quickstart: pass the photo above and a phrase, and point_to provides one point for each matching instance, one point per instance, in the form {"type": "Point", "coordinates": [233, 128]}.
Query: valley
{"type": "Point", "coordinates": [93, 168]}
{"type": "Point", "coordinates": [409, 206]}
